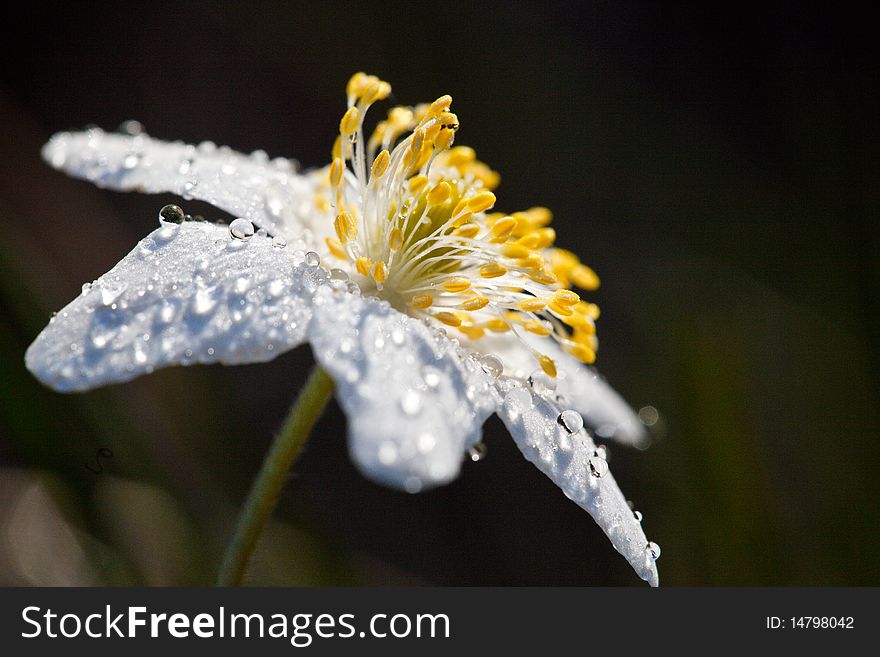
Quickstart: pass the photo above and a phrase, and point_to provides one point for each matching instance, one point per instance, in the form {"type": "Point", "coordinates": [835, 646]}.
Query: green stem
{"type": "Point", "coordinates": [273, 475]}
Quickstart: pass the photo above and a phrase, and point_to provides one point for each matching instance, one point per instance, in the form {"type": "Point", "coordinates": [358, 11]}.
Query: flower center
{"type": "Point", "coordinates": [413, 226]}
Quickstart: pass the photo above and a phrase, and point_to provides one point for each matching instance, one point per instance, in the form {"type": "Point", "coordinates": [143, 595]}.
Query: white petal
{"type": "Point", "coordinates": [185, 294]}
{"type": "Point", "coordinates": [582, 387]}
{"type": "Point", "coordinates": [268, 193]}
{"type": "Point", "coordinates": [565, 458]}
{"type": "Point", "coordinates": [415, 402]}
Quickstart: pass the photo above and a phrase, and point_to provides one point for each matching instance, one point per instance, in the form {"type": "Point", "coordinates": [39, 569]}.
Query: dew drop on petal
{"type": "Point", "coordinates": [131, 161]}
{"type": "Point", "coordinates": [313, 259]}
{"type": "Point", "coordinates": [478, 452]}
{"type": "Point", "coordinates": [541, 383]}
{"type": "Point", "coordinates": [86, 287]}
{"type": "Point", "coordinates": [602, 452]}
{"type": "Point", "coordinates": [338, 275]}
{"type": "Point", "coordinates": [653, 551]}
{"type": "Point", "coordinates": [492, 365]}
{"type": "Point", "coordinates": [598, 467]}
{"type": "Point", "coordinates": [262, 232]}
{"type": "Point", "coordinates": [518, 401]}
{"type": "Point", "coordinates": [571, 421]}
{"type": "Point", "coordinates": [279, 242]}
{"type": "Point", "coordinates": [241, 229]}
{"type": "Point", "coordinates": [171, 214]}
{"type": "Point", "coordinates": [431, 375]}
{"type": "Point", "coordinates": [638, 516]}
{"type": "Point", "coordinates": [411, 402]}
{"type": "Point", "coordinates": [131, 128]}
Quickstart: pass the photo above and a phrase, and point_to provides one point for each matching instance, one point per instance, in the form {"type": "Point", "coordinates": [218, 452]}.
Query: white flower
{"type": "Point", "coordinates": [407, 246]}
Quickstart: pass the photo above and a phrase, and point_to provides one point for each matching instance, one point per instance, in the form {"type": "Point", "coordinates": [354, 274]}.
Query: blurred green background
{"type": "Point", "coordinates": [717, 167]}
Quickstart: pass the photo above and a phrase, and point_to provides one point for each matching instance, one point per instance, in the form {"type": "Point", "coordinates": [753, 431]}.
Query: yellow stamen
{"type": "Point", "coordinates": [476, 303]}
{"type": "Point", "coordinates": [456, 284]}
{"type": "Point", "coordinates": [450, 319]}
{"type": "Point", "coordinates": [363, 265]}
{"type": "Point", "coordinates": [421, 301]}
{"type": "Point", "coordinates": [346, 228]}
{"type": "Point", "coordinates": [492, 270]}
{"type": "Point", "coordinates": [547, 365]}
{"type": "Point", "coordinates": [350, 121]}
{"type": "Point", "coordinates": [380, 164]}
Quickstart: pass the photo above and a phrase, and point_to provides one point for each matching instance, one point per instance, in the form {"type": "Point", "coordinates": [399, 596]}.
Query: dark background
{"type": "Point", "coordinates": [717, 167]}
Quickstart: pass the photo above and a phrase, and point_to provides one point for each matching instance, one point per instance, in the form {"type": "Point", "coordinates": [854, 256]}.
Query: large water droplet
{"type": "Point", "coordinates": [598, 467]}
{"type": "Point", "coordinates": [411, 402]}
{"type": "Point", "coordinates": [638, 516]}
{"type": "Point", "coordinates": [492, 365]}
{"type": "Point", "coordinates": [171, 214]}
{"type": "Point", "coordinates": [279, 242]}
{"type": "Point", "coordinates": [131, 128]}
{"type": "Point", "coordinates": [338, 275]}
{"type": "Point", "coordinates": [571, 421]}
{"type": "Point", "coordinates": [241, 229]}
{"type": "Point", "coordinates": [518, 401]}
{"type": "Point", "coordinates": [649, 415]}
{"type": "Point", "coordinates": [653, 551]}
{"type": "Point", "coordinates": [313, 259]}
{"type": "Point", "coordinates": [541, 383]}
{"type": "Point", "coordinates": [478, 452]}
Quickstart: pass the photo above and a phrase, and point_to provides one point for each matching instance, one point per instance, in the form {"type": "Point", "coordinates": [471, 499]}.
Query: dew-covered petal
{"type": "Point", "coordinates": [415, 401]}
{"type": "Point", "coordinates": [581, 387]}
{"type": "Point", "coordinates": [185, 294]}
{"type": "Point", "coordinates": [570, 459]}
{"type": "Point", "coordinates": [269, 193]}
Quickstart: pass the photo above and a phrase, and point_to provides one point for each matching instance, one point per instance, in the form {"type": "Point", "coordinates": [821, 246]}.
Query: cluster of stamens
{"type": "Point", "coordinates": [412, 225]}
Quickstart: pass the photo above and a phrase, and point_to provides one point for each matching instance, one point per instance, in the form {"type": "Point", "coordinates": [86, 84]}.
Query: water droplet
{"type": "Point", "coordinates": [649, 415]}
{"type": "Point", "coordinates": [262, 232]}
{"type": "Point", "coordinates": [602, 452]}
{"type": "Point", "coordinates": [110, 292]}
{"type": "Point", "coordinates": [241, 229]}
{"type": "Point", "coordinates": [312, 279]}
{"type": "Point", "coordinates": [338, 275]}
{"type": "Point", "coordinates": [653, 551]}
{"type": "Point", "coordinates": [598, 467]}
{"type": "Point", "coordinates": [131, 128]}
{"type": "Point", "coordinates": [188, 186]}
{"type": "Point", "coordinates": [313, 259]}
{"type": "Point", "coordinates": [478, 452]}
{"type": "Point", "coordinates": [431, 376]}
{"type": "Point", "coordinates": [518, 401]}
{"type": "Point", "coordinates": [86, 287]}
{"type": "Point", "coordinates": [203, 302]}
{"type": "Point", "coordinates": [541, 383]}
{"type": "Point", "coordinates": [571, 421]}
{"type": "Point", "coordinates": [131, 161]}
{"type": "Point", "coordinates": [279, 242]}
{"type": "Point", "coordinates": [171, 214]}
{"type": "Point", "coordinates": [492, 365]}
{"type": "Point", "coordinates": [638, 516]}
{"type": "Point", "coordinates": [411, 402]}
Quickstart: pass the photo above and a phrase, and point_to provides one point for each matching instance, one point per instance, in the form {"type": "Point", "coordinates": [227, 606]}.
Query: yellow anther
{"type": "Point", "coordinates": [538, 239]}
{"type": "Point", "coordinates": [460, 207]}
{"type": "Point", "coordinates": [421, 301]}
{"type": "Point", "coordinates": [579, 322]}
{"type": "Point", "coordinates": [497, 325]}
{"type": "Point", "coordinates": [468, 230]}
{"type": "Point", "coordinates": [543, 277]}
{"type": "Point", "coordinates": [480, 202]}
{"type": "Point", "coordinates": [336, 169]}
{"type": "Point", "coordinates": [380, 272]}
{"type": "Point", "coordinates": [473, 332]}
{"type": "Point", "coordinates": [565, 297]}
{"type": "Point", "coordinates": [501, 229]}
{"type": "Point", "coordinates": [356, 83]}
{"type": "Point", "coordinates": [439, 194]}
{"type": "Point", "coordinates": [514, 250]}
{"type": "Point", "coordinates": [349, 122]}
{"type": "Point", "coordinates": [460, 155]}
{"type": "Point", "coordinates": [444, 139]}
{"type": "Point", "coordinates": [337, 148]}
{"type": "Point", "coordinates": [440, 105]}
{"type": "Point", "coordinates": [380, 164]}
{"type": "Point", "coordinates": [376, 90]}
{"type": "Point", "coordinates": [476, 303]}
{"type": "Point", "coordinates": [533, 260]}
{"type": "Point", "coordinates": [462, 219]}
{"type": "Point", "coordinates": [395, 239]}
{"type": "Point", "coordinates": [539, 216]}
{"type": "Point", "coordinates": [582, 352]}
{"type": "Point", "coordinates": [448, 121]}
{"type": "Point", "coordinates": [559, 309]}
{"type": "Point", "coordinates": [492, 270]}
{"type": "Point", "coordinates": [346, 228]}
{"type": "Point", "coordinates": [532, 305]}
{"type": "Point", "coordinates": [591, 310]}
{"type": "Point", "coordinates": [456, 284]}
{"type": "Point", "coordinates": [418, 139]}
{"type": "Point", "coordinates": [547, 365]}
{"type": "Point", "coordinates": [336, 249]}
{"type": "Point", "coordinates": [450, 319]}
{"type": "Point", "coordinates": [537, 327]}
{"type": "Point", "coordinates": [400, 118]}
{"type": "Point", "coordinates": [584, 277]}
{"type": "Point", "coordinates": [363, 265]}
{"type": "Point", "coordinates": [417, 183]}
